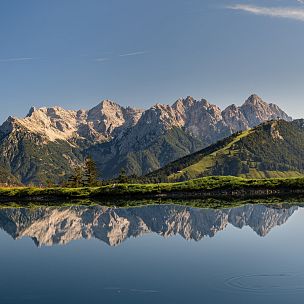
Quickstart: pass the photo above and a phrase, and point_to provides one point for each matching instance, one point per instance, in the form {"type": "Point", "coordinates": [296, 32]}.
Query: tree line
{"type": "Point", "coordinates": [87, 175]}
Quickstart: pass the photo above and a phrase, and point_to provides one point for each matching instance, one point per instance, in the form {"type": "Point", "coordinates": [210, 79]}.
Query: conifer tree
{"type": "Point", "coordinates": [123, 178]}
{"type": "Point", "coordinates": [90, 176]}
{"type": "Point", "coordinates": [78, 177]}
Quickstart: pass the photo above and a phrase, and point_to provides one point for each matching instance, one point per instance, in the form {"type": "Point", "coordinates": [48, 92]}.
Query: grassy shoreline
{"type": "Point", "coordinates": [278, 202]}
{"type": "Point", "coordinates": [199, 188]}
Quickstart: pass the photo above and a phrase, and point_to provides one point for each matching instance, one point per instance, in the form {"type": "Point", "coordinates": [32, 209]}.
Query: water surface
{"type": "Point", "coordinates": [152, 254]}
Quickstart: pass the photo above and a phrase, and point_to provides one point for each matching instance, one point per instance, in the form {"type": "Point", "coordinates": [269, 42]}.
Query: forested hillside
{"type": "Point", "coordinates": [273, 149]}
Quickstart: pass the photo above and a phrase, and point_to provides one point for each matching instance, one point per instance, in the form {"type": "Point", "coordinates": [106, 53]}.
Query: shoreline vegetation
{"type": "Point", "coordinates": [222, 187]}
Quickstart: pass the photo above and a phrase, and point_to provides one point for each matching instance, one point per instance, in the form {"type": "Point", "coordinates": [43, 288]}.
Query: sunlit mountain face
{"type": "Point", "coordinates": [49, 226]}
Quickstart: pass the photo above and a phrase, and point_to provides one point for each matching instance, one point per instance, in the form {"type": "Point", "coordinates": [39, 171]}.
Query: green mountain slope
{"type": "Point", "coordinates": [6, 178]}
{"type": "Point", "coordinates": [142, 156]}
{"type": "Point", "coordinates": [30, 159]}
{"type": "Point", "coordinates": [273, 149]}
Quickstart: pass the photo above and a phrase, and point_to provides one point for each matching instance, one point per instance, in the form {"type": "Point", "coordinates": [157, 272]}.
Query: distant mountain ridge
{"type": "Point", "coordinates": [49, 142]}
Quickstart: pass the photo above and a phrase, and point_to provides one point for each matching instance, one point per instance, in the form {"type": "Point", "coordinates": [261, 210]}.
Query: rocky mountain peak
{"type": "Point", "coordinates": [254, 99]}
{"type": "Point", "coordinates": [205, 103]}
{"type": "Point", "coordinates": [108, 117]}
{"type": "Point", "coordinates": [184, 103]}
{"type": "Point", "coordinates": [256, 111]}
{"type": "Point", "coordinates": [160, 115]}
{"type": "Point", "coordinates": [232, 108]}
{"type": "Point", "coordinates": [105, 105]}
{"type": "Point", "coordinates": [235, 119]}
{"type": "Point", "coordinates": [8, 126]}
{"type": "Point", "coordinates": [105, 108]}
{"type": "Point", "coordinates": [212, 109]}
{"type": "Point", "coordinates": [160, 106]}
{"type": "Point", "coordinates": [31, 111]}
{"type": "Point", "coordinates": [109, 103]}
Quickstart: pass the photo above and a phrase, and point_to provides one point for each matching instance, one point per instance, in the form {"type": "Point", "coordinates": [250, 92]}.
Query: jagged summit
{"type": "Point", "coordinates": [31, 111]}
{"type": "Point", "coordinates": [184, 102]}
{"type": "Point", "coordinates": [254, 99]}
{"type": "Point", "coordinates": [198, 117]}
{"type": "Point", "coordinates": [96, 124]}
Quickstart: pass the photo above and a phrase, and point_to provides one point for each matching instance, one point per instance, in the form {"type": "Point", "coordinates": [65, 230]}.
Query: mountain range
{"type": "Point", "coordinates": [48, 143]}
{"type": "Point", "coordinates": [50, 226]}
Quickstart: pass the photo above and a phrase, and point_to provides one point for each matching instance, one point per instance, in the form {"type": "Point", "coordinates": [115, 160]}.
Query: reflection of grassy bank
{"type": "Point", "coordinates": [276, 202]}
{"type": "Point", "coordinates": [217, 187]}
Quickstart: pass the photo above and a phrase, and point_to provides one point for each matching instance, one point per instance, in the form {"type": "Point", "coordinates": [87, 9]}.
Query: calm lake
{"type": "Point", "coordinates": [152, 254]}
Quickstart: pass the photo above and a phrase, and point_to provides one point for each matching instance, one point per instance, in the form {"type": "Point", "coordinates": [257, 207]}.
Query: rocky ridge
{"type": "Point", "coordinates": [96, 125]}
{"type": "Point", "coordinates": [199, 118]}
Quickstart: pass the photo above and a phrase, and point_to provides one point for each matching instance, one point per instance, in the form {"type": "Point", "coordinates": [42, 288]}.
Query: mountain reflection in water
{"type": "Point", "coordinates": [48, 226]}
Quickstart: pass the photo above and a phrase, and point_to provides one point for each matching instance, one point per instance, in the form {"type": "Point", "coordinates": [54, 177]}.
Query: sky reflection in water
{"type": "Point", "coordinates": [163, 254]}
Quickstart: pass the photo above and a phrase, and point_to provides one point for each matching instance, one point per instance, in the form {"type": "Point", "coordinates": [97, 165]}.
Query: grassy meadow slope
{"type": "Point", "coordinates": [6, 178]}
{"type": "Point", "coordinates": [202, 187]}
{"type": "Point", "coordinates": [142, 156]}
{"type": "Point", "coordinates": [272, 150]}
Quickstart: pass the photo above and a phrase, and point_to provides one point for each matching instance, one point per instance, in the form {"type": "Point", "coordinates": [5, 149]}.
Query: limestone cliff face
{"type": "Point", "coordinates": [256, 111]}
{"type": "Point", "coordinates": [120, 137]}
{"type": "Point", "coordinates": [201, 119]}
{"type": "Point", "coordinates": [97, 124]}
{"type": "Point", "coordinates": [50, 226]}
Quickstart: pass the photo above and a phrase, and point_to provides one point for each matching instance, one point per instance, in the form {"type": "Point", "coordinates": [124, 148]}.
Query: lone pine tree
{"type": "Point", "coordinates": [90, 174]}
{"type": "Point", "coordinates": [85, 175]}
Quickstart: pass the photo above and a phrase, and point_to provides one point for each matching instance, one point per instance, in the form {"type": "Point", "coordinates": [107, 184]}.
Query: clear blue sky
{"type": "Point", "coordinates": [73, 53]}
